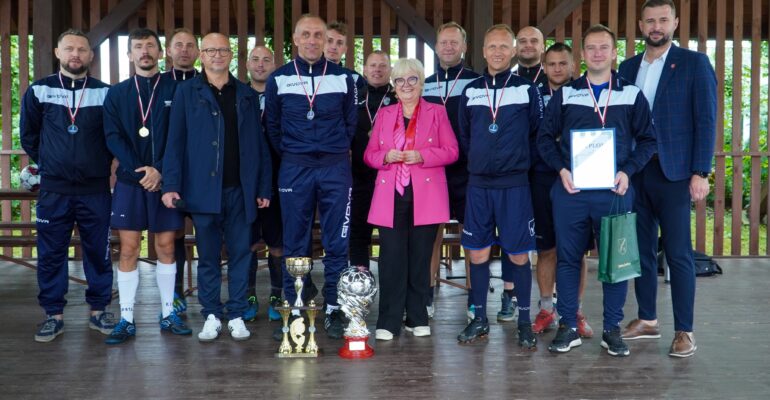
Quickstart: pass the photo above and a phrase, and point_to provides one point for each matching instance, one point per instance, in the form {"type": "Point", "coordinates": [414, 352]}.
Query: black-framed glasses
{"type": "Point", "coordinates": [223, 52]}
{"type": "Point", "coordinates": [411, 80]}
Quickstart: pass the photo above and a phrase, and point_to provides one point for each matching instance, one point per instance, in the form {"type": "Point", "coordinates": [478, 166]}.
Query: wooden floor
{"type": "Point", "coordinates": [732, 326]}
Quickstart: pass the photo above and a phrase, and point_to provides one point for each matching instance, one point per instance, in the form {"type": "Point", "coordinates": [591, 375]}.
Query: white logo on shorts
{"type": "Point", "coordinates": [532, 227]}
{"type": "Point", "coordinates": [467, 233]}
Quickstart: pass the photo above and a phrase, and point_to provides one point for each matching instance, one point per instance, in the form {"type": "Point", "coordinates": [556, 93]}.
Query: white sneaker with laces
{"type": "Point", "coordinates": [383, 334]}
{"type": "Point", "coordinates": [211, 329]}
{"type": "Point", "coordinates": [238, 329]}
{"type": "Point", "coordinates": [418, 330]}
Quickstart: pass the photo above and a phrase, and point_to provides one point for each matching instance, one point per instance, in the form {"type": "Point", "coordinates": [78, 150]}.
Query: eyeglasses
{"type": "Point", "coordinates": [223, 52]}
{"type": "Point", "coordinates": [412, 80]}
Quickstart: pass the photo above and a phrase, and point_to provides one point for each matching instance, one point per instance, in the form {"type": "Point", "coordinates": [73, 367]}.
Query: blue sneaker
{"type": "Point", "coordinates": [103, 322]}
{"type": "Point", "coordinates": [272, 313]}
{"type": "Point", "coordinates": [509, 308]}
{"type": "Point", "coordinates": [180, 304]}
{"type": "Point", "coordinates": [122, 332]}
{"type": "Point", "coordinates": [49, 329]}
{"type": "Point", "coordinates": [175, 325]}
{"type": "Point", "coordinates": [251, 313]}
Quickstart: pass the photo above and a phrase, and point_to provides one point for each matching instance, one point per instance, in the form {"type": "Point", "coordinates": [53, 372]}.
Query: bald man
{"type": "Point", "coordinates": [530, 46]}
{"type": "Point", "coordinates": [217, 162]}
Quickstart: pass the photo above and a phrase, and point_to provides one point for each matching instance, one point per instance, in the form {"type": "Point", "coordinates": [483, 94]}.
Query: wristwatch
{"type": "Point", "coordinates": [702, 174]}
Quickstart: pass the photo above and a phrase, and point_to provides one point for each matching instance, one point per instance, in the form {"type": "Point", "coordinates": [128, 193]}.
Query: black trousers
{"type": "Point", "coordinates": [404, 267]}
{"type": "Point", "coordinates": [360, 230]}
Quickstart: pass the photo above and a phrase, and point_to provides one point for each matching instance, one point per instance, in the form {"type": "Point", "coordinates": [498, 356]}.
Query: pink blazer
{"type": "Point", "coordinates": [437, 145]}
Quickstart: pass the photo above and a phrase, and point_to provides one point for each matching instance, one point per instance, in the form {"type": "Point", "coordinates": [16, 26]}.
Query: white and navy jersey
{"type": "Point", "coordinates": [539, 169]}
{"type": "Point", "coordinates": [499, 157]}
{"type": "Point", "coordinates": [572, 107]}
{"type": "Point", "coordinates": [325, 138]}
{"type": "Point", "coordinates": [70, 163]}
{"type": "Point", "coordinates": [534, 74]}
{"type": "Point", "coordinates": [181, 76]}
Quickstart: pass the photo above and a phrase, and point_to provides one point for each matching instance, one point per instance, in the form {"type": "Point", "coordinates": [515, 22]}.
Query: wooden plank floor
{"type": "Point", "coordinates": [731, 363]}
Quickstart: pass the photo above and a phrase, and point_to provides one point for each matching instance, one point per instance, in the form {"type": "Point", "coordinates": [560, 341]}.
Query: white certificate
{"type": "Point", "coordinates": [593, 158]}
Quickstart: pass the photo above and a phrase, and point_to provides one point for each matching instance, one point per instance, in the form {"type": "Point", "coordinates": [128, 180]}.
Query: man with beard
{"type": "Point", "coordinates": [680, 86]}
{"type": "Point", "coordinates": [310, 111]}
{"type": "Point", "coordinates": [530, 47]}
{"type": "Point", "coordinates": [268, 226]}
{"type": "Point", "coordinates": [446, 87]}
{"type": "Point", "coordinates": [135, 124]}
{"type": "Point", "coordinates": [61, 130]}
{"type": "Point", "coordinates": [558, 68]}
{"type": "Point", "coordinates": [378, 94]}
{"type": "Point", "coordinates": [183, 50]}
{"type": "Point", "coordinates": [218, 163]}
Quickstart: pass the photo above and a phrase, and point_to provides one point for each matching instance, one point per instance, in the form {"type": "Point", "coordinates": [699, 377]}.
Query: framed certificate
{"type": "Point", "coordinates": [593, 158]}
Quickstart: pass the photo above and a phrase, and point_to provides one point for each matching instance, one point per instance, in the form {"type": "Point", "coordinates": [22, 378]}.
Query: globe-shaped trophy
{"type": "Point", "coordinates": [355, 290]}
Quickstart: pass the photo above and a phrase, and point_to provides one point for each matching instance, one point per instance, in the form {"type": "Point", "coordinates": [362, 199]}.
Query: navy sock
{"type": "Point", "coordinates": [506, 269]}
{"type": "Point", "coordinates": [276, 274]}
{"type": "Point", "coordinates": [479, 288]}
{"type": "Point", "coordinates": [522, 279]}
{"type": "Point", "coordinates": [181, 257]}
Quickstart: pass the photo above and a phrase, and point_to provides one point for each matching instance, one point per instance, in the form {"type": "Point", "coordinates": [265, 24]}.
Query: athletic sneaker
{"type": "Point", "coordinates": [527, 339]}
{"type": "Point", "coordinates": [211, 329]}
{"type": "Point", "coordinates": [278, 332]}
{"type": "Point", "coordinates": [180, 304]}
{"type": "Point", "coordinates": [566, 338]}
{"type": "Point", "coordinates": [334, 325]}
{"type": "Point", "coordinates": [175, 325]}
{"type": "Point", "coordinates": [383, 334]}
{"type": "Point", "coordinates": [544, 320]}
{"type": "Point", "coordinates": [272, 313]}
{"type": "Point", "coordinates": [418, 330]}
{"type": "Point", "coordinates": [509, 307]}
{"type": "Point", "coordinates": [614, 343]}
{"type": "Point", "coordinates": [476, 329]}
{"type": "Point", "coordinates": [471, 313]}
{"type": "Point", "coordinates": [238, 329]}
{"type": "Point", "coordinates": [103, 322]}
{"type": "Point", "coordinates": [251, 313]}
{"type": "Point", "coordinates": [49, 329]}
{"type": "Point", "coordinates": [583, 329]}
{"type": "Point", "coordinates": [123, 331]}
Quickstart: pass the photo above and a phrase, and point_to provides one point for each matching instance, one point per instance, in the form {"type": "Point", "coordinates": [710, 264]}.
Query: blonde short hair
{"type": "Point", "coordinates": [403, 66]}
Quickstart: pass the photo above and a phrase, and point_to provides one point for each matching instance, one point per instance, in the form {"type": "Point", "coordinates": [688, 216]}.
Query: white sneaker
{"type": "Point", "coordinates": [418, 330]}
{"type": "Point", "coordinates": [210, 330]}
{"type": "Point", "coordinates": [238, 329]}
{"type": "Point", "coordinates": [383, 334]}
{"type": "Point", "coordinates": [431, 311]}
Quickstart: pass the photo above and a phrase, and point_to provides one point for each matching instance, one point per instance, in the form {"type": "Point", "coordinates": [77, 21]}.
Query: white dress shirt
{"type": "Point", "coordinates": [649, 75]}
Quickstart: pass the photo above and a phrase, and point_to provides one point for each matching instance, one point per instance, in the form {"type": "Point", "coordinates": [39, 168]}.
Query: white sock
{"type": "Point", "coordinates": [330, 308]}
{"type": "Point", "coordinates": [165, 274]}
{"type": "Point", "coordinates": [128, 282]}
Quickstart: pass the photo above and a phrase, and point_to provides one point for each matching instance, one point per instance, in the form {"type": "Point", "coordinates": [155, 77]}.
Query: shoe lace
{"type": "Point", "coordinates": [48, 325]}
{"type": "Point", "coordinates": [174, 318]}
{"type": "Point", "coordinates": [107, 318]}
{"type": "Point", "coordinates": [122, 326]}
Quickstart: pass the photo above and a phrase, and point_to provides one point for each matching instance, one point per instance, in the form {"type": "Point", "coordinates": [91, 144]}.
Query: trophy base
{"type": "Point", "coordinates": [297, 355]}
{"type": "Point", "coordinates": [356, 348]}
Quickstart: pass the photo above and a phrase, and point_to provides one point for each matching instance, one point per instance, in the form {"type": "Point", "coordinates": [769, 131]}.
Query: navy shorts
{"type": "Point", "coordinates": [499, 216]}
{"type": "Point", "coordinates": [542, 206]}
{"type": "Point", "coordinates": [269, 226]}
{"type": "Point", "coordinates": [135, 209]}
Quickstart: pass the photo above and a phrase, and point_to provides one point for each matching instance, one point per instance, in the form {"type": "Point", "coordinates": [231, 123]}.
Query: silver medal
{"type": "Point", "coordinates": [493, 128]}
{"type": "Point", "coordinates": [310, 115]}
{"type": "Point", "coordinates": [144, 132]}
{"type": "Point", "coordinates": [72, 129]}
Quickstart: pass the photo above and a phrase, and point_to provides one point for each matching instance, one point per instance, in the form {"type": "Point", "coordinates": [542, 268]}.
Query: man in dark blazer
{"type": "Point", "coordinates": [217, 162]}
{"type": "Point", "coordinates": [680, 86]}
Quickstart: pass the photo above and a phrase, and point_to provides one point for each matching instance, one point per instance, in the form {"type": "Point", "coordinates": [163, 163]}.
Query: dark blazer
{"type": "Point", "coordinates": [684, 111]}
{"type": "Point", "coordinates": [193, 161]}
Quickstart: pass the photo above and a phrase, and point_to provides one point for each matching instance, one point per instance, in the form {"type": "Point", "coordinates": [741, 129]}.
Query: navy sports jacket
{"type": "Point", "coordinates": [69, 164]}
{"type": "Point", "coordinates": [122, 121]}
{"type": "Point", "coordinates": [326, 138]}
{"type": "Point", "coordinates": [501, 159]}
{"type": "Point", "coordinates": [571, 107]}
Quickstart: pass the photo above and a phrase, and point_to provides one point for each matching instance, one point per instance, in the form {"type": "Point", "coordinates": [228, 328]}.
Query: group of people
{"type": "Point", "coordinates": [389, 149]}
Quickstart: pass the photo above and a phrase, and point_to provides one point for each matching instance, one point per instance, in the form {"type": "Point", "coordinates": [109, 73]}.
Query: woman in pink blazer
{"type": "Point", "coordinates": [410, 144]}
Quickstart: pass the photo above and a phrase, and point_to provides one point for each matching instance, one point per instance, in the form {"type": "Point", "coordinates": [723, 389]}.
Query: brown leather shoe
{"type": "Point", "coordinates": [638, 329]}
{"type": "Point", "coordinates": [683, 345]}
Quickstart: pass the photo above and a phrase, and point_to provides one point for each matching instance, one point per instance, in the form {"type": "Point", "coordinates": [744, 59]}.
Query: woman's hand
{"type": "Point", "coordinates": [412, 157]}
{"type": "Point", "coordinates": [394, 156]}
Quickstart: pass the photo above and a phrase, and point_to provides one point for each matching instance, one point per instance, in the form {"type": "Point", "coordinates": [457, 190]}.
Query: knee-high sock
{"type": "Point", "coordinates": [164, 275]}
{"type": "Point", "coordinates": [128, 282]}
{"type": "Point", "coordinates": [479, 288]}
{"type": "Point", "coordinates": [180, 253]}
{"type": "Point", "coordinates": [522, 280]}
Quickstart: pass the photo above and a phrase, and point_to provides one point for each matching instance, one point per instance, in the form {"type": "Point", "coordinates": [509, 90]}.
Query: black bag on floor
{"type": "Point", "coordinates": [704, 265]}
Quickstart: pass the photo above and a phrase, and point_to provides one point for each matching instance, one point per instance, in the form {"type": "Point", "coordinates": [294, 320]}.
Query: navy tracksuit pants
{"type": "Point", "coordinates": [302, 188]}
{"type": "Point", "coordinates": [56, 215]}
{"type": "Point", "coordinates": [231, 226]}
{"type": "Point", "coordinates": [575, 216]}
{"type": "Point", "coordinates": [660, 202]}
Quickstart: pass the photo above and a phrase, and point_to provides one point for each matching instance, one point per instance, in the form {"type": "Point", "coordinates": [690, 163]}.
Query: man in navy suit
{"type": "Point", "coordinates": [680, 86]}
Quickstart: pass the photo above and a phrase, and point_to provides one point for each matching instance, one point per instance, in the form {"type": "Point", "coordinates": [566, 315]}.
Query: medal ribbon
{"type": "Point", "coordinates": [82, 94]}
{"type": "Point", "coordinates": [315, 92]}
{"type": "Point", "coordinates": [438, 81]}
{"type": "Point", "coordinates": [371, 119]}
{"type": "Point", "coordinates": [602, 115]}
{"type": "Point", "coordinates": [495, 109]}
{"type": "Point", "coordinates": [139, 97]}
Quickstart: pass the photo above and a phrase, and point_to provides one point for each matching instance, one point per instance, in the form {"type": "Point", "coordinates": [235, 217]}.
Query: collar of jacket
{"type": "Point", "coordinates": [384, 89]}
{"type": "Point", "coordinates": [582, 82]}
{"type": "Point", "coordinates": [304, 66]}
{"type": "Point", "coordinates": [499, 79]}
{"type": "Point", "coordinates": [241, 90]}
{"type": "Point", "coordinates": [452, 71]}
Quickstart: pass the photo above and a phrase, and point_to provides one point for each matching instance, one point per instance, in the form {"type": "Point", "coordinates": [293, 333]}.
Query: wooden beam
{"type": "Point", "coordinates": [418, 24]}
{"type": "Point", "coordinates": [114, 20]}
{"type": "Point", "coordinates": [48, 22]}
{"type": "Point", "coordinates": [557, 15]}
{"type": "Point", "coordinates": [480, 17]}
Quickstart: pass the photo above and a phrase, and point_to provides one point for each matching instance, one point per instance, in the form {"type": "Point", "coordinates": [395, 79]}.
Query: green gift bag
{"type": "Point", "coordinates": [618, 249]}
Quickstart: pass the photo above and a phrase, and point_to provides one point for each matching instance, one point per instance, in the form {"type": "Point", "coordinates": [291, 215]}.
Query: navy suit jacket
{"type": "Point", "coordinates": [684, 111]}
{"type": "Point", "coordinates": [193, 161]}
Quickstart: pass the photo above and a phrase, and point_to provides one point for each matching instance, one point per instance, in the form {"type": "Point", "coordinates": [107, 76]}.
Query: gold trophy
{"type": "Point", "coordinates": [298, 267]}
